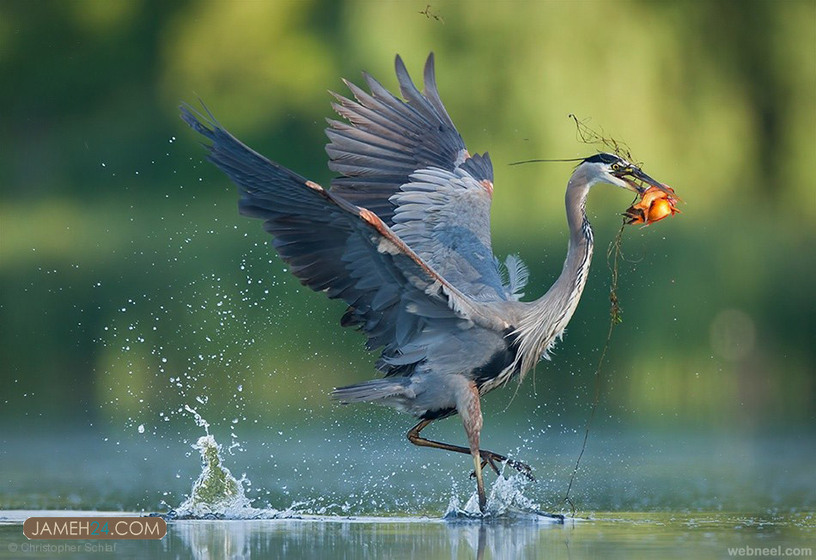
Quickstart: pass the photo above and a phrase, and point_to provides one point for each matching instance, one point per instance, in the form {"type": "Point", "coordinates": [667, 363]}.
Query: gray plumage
{"type": "Point", "coordinates": [517, 276]}
{"type": "Point", "coordinates": [403, 237]}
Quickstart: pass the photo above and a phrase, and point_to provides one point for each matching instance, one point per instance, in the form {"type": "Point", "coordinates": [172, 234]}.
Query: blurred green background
{"type": "Point", "coordinates": [130, 287]}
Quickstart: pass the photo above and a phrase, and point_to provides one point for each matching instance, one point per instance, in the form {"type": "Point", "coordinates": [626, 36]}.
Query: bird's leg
{"type": "Point", "coordinates": [488, 457]}
{"type": "Point", "coordinates": [470, 410]}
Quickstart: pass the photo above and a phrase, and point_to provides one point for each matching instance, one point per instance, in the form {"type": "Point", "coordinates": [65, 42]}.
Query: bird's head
{"type": "Point", "coordinates": [612, 169]}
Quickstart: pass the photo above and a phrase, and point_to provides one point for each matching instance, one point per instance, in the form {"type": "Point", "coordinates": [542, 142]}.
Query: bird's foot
{"type": "Point", "coordinates": [491, 458]}
{"type": "Point", "coordinates": [523, 468]}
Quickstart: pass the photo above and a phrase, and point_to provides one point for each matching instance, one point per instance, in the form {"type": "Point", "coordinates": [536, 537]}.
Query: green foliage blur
{"type": "Point", "coordinates": [130, 287]}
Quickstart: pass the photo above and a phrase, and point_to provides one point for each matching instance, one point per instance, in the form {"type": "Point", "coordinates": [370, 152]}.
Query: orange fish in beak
{"type": "Point", "coordinates": [654, 205]}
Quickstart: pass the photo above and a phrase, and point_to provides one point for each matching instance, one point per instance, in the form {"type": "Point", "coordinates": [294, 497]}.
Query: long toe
{"type": "Point", "coordinates": [487, 461]}
{"type": "Point", "coordinates": [523, 468]}
{"type": "Point", "coordinates": [494, 458]}
{"type": "Point", "coordinates": [491, 458]}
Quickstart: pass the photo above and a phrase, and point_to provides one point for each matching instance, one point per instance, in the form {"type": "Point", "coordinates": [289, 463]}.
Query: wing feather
{"type": "Point", "coordinates": [405, 160]}
{"type": "Point", "coordinates": [346, 251]}
{"type": "Point", "coordinates": [445, 217]}
{"type": "Point", "coordinates": [388, 139]}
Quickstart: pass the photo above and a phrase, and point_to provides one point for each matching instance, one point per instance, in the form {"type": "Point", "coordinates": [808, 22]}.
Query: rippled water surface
{"type": "Point", "coordinates": [331, 493]}
{"type": "Point", "coordinates": [604, 535]}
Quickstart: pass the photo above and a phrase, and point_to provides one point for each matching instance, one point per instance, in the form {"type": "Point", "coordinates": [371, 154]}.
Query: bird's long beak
{"type": "Point", "coordinates": [639, 182]}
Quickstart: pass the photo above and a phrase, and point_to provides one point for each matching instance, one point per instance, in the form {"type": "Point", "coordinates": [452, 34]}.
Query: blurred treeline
{"type": "Point", "coordinates": [129, 286]}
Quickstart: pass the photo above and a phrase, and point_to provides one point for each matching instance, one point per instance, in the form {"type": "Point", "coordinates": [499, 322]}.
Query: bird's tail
{"type": "Point", "coordinates": [388, 389]}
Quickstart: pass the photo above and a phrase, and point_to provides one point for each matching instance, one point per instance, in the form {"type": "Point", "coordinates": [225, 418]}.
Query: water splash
{"type": "Point", "coordinates": [200, 422]}
{"type": "Point", "coordinates": [216, 493]}
{"type": "Point", "coordinates": [505, 502]}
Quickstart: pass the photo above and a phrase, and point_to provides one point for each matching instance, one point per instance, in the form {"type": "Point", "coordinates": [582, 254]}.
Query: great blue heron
{"type": "Point", "coordinates": [403, 237]}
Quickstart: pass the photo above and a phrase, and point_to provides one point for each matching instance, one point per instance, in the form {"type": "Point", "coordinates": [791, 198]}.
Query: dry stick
{"type": "Point", "coordinates": [613, 251]}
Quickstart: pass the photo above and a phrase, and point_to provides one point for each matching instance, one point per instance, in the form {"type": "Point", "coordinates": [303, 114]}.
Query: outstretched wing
{"type": "Point", "coordinates": [343, 250]}
{"type": "Point", "coordinates": [387, 139]}
{"type": "Point", "coordinates": [406, 161]}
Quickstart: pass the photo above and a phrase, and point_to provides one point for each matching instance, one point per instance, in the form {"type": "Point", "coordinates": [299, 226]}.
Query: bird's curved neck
{"type": "Point", "coordinates": [568, 288]}
{"type": "Point", "coordinates": [575, 200]}
{"type": "Point", "coordinates": [547, 317]}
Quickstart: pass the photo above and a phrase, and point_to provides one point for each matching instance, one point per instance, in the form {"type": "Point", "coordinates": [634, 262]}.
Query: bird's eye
{"type": "Point", "coordinates": [617, 166]}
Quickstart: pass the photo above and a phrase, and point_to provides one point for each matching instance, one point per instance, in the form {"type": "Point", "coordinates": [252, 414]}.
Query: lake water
{"type": "Point", "coordinates": [329, 493]}
{"type": "Point", "coordinates": [605, 535]}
